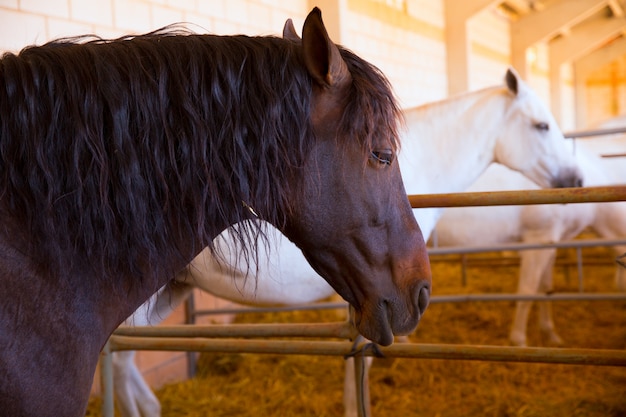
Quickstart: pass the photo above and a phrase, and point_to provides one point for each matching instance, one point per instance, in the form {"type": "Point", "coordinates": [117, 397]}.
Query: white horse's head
{"type": "Point", "coordinates": [533, 143]}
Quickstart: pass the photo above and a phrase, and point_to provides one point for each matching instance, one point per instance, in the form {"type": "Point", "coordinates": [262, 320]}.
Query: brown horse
{"type": "Point", "coordinates": [114, 153]}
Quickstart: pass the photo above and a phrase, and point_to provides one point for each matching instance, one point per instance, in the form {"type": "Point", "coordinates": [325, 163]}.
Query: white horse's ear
{"type": "Point", "coordinates": [513, 81]}
{"type": "Point", "coordinates": [289, 32]}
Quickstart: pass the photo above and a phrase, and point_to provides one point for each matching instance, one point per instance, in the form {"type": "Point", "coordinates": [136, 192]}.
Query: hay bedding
{"type": "Point", "coordinates": [272, 385]}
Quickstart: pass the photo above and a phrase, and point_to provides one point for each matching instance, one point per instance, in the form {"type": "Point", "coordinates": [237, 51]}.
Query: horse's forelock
{"type": "Point", "coordinates": [372, 113]}
{"type": "Point", "coordinates": [145, 140]}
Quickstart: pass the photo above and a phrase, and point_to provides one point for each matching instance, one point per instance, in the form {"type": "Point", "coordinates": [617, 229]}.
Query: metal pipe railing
{"type": "Point", "coordinates": [272, 309]}
{"type": "Point", "coordinates": [565, 296]}
{"type": "Point", "coordinates": [341, 330]}
{"type": "Point", "coordinates": [595, 132]}
{"type": "Point", "coordinates": [572, 356]}
{"type": "Point", "coordinates": [435, 299]}
{"type": "Point", "coordinates": [521, 197]}
{"type": "Point", "coordinates": [582, 243]}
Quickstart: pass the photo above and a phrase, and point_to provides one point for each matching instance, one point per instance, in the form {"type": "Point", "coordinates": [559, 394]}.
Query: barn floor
{"type": "Point", "coordinates": [270, 385]}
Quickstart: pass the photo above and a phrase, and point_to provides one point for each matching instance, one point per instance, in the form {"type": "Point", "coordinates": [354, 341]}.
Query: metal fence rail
{"type": "Point", "coordinates": [521, 197]}
{"type": "Point", "coordinates": [596, 132]}
{"type": "Point", "coordinates": [570, 356]}
{"type": "Point", "coordinates": [435, 299]}
{"type": "Point", "coordinates": [341, 330]}
{"type": "Point", "coordinates": [582, 243]}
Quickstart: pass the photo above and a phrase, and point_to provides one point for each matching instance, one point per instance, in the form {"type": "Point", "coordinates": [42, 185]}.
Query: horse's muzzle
{"type": "Point", "coordinates": [420, 300]}
{"type": "Point", "coordinates": [567, 180]}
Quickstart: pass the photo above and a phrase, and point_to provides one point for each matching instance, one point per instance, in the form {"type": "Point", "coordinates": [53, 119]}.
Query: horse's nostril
{"type": "Point", "coordinates": [567, 181]}
{"type": "Point", "coordinates": [423, 298]}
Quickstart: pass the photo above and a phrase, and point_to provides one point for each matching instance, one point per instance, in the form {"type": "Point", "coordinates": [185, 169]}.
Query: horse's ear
{"type": "Point", "coordinates": [289, 32]}
{"type": "Point", "coordinates": [514, 82]}
{"type": "Point", "coordinates": [321, 56]}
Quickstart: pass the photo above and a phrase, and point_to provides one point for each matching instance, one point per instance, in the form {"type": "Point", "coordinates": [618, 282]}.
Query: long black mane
{"type": "Point", "coordinates": [132, 151]}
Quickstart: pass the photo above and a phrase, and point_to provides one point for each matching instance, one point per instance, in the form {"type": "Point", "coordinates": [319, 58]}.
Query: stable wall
{"type": "Point", "coordinates": [407, 42]}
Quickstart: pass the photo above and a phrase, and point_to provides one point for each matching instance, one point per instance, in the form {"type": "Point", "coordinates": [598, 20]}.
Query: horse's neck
{"type": "Point", "coordinates": [448, 144]}
{"type": "Point", "coordinates": [609, 218]}
{"type": "Point", "coordinates": [611, 170]}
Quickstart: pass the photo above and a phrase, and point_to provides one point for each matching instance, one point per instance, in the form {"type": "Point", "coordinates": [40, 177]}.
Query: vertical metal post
{"type": "Point", "coordinates": [361, 375]}
{"type": "Point", "coordinates": [190, 318]}
{"type": "Point", "coordinates": [579, 263]}
{"type": "Point", "coordinates": [106, 381]}
{"type": "Point", "coordinates": [566, 268]}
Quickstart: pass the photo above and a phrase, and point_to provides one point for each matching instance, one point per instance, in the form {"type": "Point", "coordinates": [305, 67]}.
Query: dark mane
{"type": "Point", "coordinates": [115, 151]}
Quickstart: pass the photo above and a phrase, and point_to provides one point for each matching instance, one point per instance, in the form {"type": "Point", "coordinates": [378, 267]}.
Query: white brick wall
{"type": "Point", "coordinates": [27, 22]}
{"type": "Point", "coordinates": [18, 29]}
{"type": "Point", "coordinates": [413, 58]}
{"type": "Point", "coordinates": [98, 13]}
{"type": "Point", "coordinates": [55, 8]}
{"type": "Point", "coordinates": [538, 74]}
{"type": "Point", "coordinates": [490, 40]}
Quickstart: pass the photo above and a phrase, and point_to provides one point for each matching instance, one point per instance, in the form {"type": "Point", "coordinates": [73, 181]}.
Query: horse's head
{"type": "Point", "coordinates": [533, 143]}
{"type": "Point", "coordinates": [354, 224]}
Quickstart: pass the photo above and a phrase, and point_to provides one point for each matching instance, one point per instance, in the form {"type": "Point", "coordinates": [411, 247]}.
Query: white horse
{"type": "Point", "coordinates": [487, 226]}
{"type": "Point", "coordinates": [446, 146]}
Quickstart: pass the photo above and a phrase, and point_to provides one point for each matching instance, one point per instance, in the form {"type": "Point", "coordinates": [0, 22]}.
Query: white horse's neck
{"type": "Point", "coordinates": [456, 136]}
{"type": "Point", "coordinates": [448, 144]}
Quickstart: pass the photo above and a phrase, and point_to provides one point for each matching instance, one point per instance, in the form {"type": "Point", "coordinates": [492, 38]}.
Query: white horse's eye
{"type": "Point", "coordinates": [382, 157]}
{"type": "Point", "coordinates": [542, 126]}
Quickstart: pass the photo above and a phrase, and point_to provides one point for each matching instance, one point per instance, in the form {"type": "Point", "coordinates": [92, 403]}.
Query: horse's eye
{"type": "Point", "coordinates": [542, 126]}
{"type": "Point", "coordinates": [382, 157]}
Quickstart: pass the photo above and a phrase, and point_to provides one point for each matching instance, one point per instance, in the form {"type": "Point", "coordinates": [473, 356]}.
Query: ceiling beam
{"type": "Point", "coordinates": [585, 38]}
{"type": "Point", "coordinates": [540, 26]}
{"type": "Point", "coordinates": [616, 8]}
{"type": "Point", "coordinates": [600, 57]}
{"type": "Point", "coordinates": [520, 6]}
{"type": "Point", "coordinates": [467, 8]}
{"type": "Point", "coordinates": [456, 14]}
{"type": "Point", "coordinates": [536, 27]}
